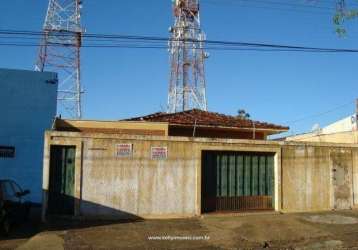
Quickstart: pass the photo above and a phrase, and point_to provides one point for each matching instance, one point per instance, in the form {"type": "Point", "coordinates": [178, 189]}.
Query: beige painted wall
{"type": "Point", "coordinates": [140, 186]}
{"type": "Point", "coordinates": [306, 178]}
{"type": "Point", "coordinates": [129, 125]}
{"type": "Point", "coordinates": [339, 137]}
{"type": "Point", "coordinates": [355, 177]}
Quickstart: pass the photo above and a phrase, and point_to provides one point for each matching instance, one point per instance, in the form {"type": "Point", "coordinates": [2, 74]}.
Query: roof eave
{"type": "Point", "coordinates": [268, 131]}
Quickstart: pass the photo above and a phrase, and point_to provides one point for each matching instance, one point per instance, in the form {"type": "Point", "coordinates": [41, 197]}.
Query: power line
{"type": "Point", "coordinates": [156, 42]}
{"type": "Point", "coordinates": [164, 47]}
{"type": "Point", "coordinates": [321, 113]}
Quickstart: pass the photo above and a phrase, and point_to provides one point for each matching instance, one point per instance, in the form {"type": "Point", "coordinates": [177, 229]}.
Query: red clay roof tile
{"type": "Point", "coordinates": [205, 118]}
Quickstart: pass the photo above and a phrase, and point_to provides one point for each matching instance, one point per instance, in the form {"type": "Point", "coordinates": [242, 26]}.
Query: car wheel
{"type": "Point", "coordinates": [27, 213]}
{"type": "Point", "coordinates": [5, 227]}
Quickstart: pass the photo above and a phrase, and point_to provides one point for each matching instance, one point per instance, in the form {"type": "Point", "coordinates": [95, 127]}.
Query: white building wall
{"type": "Point", "coordinates": [347, 124]}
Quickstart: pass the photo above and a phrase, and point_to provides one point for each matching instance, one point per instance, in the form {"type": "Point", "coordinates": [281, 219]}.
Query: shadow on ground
{"type": "Point", "coordinates": [326, 230]}
{"type": "Point", "coordinates": [20, 233]}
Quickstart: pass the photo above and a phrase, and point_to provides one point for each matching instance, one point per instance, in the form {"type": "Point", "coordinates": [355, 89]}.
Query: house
{"type": "Point", "coordinates": [187, 164]}
{"type": "Point", "coordinates": [191, 123]}
{"type": "Point", "coordinates": [342, 131]}
{"type": "Point", "coordinates": [28, 107]}
{"type": "Point", "coordinates": [198, 123]}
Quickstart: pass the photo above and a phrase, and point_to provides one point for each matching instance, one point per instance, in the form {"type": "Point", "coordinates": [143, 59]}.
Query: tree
{"type": "Point", "coordinates": [343, 13]}
{"type": "Point", "coordinates": [241, 113]}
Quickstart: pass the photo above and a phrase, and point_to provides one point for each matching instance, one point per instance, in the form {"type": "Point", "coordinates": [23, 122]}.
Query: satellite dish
{"type": "Point", "coordinates": [316, 128]}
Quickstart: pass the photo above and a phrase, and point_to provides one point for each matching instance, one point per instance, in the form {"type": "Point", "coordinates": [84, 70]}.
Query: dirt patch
{"type": "Point", "coordinates": [331, 219]}
{"type": "Point", "coordinates": [151, 234]}
{"type": "Point", "coordinates": [328, 244]}
{"type": "Point", "coordinates": [43, 241]}
{"type": "Point", "coordinates": [260, 230]}
{"type": "Point", "coordinates": [274, 231]}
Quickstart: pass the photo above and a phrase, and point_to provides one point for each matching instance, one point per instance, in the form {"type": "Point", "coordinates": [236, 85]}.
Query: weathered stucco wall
{"type": "Point", "coordinates": [107, 185]}
{"type": "Point", "coordinates": [306, 178]}
{"type": "Point", "coordinates": [318, 177]}
{"type": "Point", "coordinates": [355, 176]}
{"type": "Point", "coordinates": [138, 185]}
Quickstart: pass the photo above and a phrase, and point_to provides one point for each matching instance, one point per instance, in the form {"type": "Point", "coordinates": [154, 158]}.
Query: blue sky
{"type": "Point", "coordinates": [273, 87]}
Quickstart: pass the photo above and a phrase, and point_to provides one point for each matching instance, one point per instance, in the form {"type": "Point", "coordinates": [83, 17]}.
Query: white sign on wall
{"type": "Point", "coordinates": [124, 150]}
{"type": "Point", "coordinates": [159, 153]}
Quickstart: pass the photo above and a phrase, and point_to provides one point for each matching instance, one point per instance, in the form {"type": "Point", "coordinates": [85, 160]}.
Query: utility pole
{"type": "Point", "coordinates": [187, 87]}
{"type": "Point", "coordinates": [60, 52]}
{"type": "Point", "coordinates": [356, 116]}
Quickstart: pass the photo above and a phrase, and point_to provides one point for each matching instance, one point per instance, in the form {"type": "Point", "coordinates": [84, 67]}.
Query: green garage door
{"type": "Point", "coordinates": [237, 181]}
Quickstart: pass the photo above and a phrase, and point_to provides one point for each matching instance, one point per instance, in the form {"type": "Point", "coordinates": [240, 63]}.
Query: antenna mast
{"type": "Point", "coordinates": [187, 88]}
{"type": "Point", "coordinates": [60, 52]}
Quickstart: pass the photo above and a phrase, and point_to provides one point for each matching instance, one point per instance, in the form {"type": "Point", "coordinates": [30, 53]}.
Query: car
{"type": "Point", "coordinates": [14, 209]}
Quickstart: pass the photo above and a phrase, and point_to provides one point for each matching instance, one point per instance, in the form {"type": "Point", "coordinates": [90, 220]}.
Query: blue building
{"type": "Point", "coordinates": [28, 108]}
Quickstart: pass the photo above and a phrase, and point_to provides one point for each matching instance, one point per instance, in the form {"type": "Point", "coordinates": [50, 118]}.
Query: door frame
{"type": "Point", "coordinates": [240, 148]}
{"type": "Point", "coordinates": [61, 189]}
{"type": "Point", "coordinates": [46, 171]}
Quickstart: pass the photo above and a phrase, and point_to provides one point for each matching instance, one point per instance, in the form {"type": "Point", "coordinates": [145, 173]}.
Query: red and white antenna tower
{"type": "Point", "coordinates": [187, 88]}
{"type": "Point", "coordinates": [60, 52]}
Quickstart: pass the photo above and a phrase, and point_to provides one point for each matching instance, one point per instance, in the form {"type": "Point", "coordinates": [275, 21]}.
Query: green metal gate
{"type": "Point", "coordinates": [237, 181]}
{"type": "Point", "coordinates": [62, 180]}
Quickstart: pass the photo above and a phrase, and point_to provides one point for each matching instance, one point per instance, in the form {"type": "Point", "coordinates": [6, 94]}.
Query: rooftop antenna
{"type": "Point", "coordinates": [187, 87]}
{"type": "Point", "coordinates": [60, 52]}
